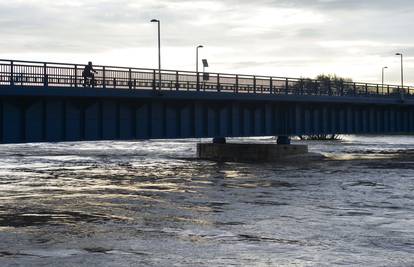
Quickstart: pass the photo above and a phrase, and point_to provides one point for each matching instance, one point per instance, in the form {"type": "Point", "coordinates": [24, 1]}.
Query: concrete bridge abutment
{"type": "Point", "coordinates": [220, 150]}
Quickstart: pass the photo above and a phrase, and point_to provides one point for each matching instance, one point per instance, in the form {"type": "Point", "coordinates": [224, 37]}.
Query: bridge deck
{"type": "Point", "coordinates": [49, 74]}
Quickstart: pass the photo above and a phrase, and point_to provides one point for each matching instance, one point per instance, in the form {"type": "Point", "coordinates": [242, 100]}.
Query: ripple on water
{"type": "Point", "coordinates": [51, 217]}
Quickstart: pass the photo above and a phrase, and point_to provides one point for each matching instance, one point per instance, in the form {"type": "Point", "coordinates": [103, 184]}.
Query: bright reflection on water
{"type": "Point", "coordinates": [152, 203]}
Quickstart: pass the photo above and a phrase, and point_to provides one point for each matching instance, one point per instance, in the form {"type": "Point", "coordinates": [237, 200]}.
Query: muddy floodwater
{"type": "Point", "coordinates": [150, 203]}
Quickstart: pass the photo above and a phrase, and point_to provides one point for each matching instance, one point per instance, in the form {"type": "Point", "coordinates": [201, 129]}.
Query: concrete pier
{"type": "Point", "coordinates": [249, 152]}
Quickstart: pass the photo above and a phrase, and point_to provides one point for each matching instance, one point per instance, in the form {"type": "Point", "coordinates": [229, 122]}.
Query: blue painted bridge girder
{"type": "Point", "coordinates": [51, 114]}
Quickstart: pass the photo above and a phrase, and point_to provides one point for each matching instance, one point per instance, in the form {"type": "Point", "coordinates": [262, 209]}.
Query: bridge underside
{"type": "Point", "coordinates": [49, 118]}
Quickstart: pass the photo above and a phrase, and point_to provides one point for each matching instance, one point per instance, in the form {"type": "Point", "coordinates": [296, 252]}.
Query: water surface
{"type": "Point", "coordinates": [150, 203]}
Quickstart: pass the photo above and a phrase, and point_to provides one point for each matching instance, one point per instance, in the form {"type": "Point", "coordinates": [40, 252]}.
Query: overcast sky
{"type": "Point", "coordinates": [296, 38]}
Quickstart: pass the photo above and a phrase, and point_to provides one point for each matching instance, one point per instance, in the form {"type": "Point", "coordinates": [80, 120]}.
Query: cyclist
{"type": "Point", "coordinates": [88, 75]}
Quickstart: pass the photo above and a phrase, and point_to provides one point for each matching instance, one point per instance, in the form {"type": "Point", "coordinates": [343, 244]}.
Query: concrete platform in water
{"type": "Point", "coordinates": [249, 152]}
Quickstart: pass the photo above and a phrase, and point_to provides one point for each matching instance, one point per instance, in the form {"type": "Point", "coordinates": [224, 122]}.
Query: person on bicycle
{"type": "Point", "coordinates": [89, 73]}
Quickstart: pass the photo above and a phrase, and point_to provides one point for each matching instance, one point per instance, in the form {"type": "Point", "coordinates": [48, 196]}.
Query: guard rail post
{"type": "Point", "coordinates": [254, 84]}
{"type": "Point", "coordinates": [45, 77]}
{"type": "Point", "coordinates": [177, 85]}
{"type": "Point", "coordinates": [237, 83]}
{"type": "Point", "coordinates": [287, 86]}
{"type": "Point", "coordinates": [130, 78]}
{"type": "Point", "coordinates": [104, 77]}
{"type": "Point", "coordinates": [271, 85]}
{"type": "Point", "coordinates": [154, 86]}
{"type": "Point", "coordinates": [198, 81]}
{"type": "Point", "coordinates": [218, 83]}
{"type": "Point", "coordinates": [76, 76]}
{"type": "Point", "coordinates": [11, 73]}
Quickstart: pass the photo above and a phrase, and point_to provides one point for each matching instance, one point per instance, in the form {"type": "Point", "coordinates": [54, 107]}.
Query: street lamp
{"type": "Point", "coordinates": [402, 70]}
{"type": "Point", "coordinates": [382, 79]}
{"type": "Point", "coordinates": [200, 46]}
{"type": "Point", "coordinates": [159, 51]}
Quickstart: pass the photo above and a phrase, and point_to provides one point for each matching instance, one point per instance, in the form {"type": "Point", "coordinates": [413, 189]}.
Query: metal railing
{"type": "Point", "coordinates": [44, 74]}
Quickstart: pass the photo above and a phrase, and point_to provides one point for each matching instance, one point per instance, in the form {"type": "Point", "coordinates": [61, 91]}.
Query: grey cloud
{"type": "Point", "coordinates": [335, 5]}
{"type": "Point", "coordinates": [56, 26]}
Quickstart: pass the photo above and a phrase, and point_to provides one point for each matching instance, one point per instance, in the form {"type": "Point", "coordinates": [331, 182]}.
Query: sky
{"type": "Point", "coordinates": [292, 38]}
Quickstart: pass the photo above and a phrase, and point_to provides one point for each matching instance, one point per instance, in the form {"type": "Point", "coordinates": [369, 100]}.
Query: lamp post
{"type": "Point", "coordinates": [198, 78]}
{"type": "Point", "coordinates": [159, 51]}
{"type": "Point", "coordinates": [198, 47]}
{"type": "Point", "coordinates": [402, 70]}
{"type": "Point", "coordinates": [382, 77]}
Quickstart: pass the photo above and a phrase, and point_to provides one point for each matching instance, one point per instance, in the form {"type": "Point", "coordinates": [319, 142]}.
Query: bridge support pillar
{"type": "Point", "coordinates": [283, 140]}
{"type": "Point", "coordinates": [249, 152]}
{"type": "Point", "coordinates": [219, 140]}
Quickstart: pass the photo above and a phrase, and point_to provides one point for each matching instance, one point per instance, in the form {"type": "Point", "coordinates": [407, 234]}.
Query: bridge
{"type": "Point", "coordinates": [49, 102]}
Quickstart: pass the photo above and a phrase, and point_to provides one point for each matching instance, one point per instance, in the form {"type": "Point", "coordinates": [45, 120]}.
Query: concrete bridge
{"type": "Point", "coordinates": [47, 102]}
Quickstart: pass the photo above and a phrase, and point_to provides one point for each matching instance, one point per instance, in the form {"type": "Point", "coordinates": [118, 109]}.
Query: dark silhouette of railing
{"type": "Point", "coordinates": [32, 73]}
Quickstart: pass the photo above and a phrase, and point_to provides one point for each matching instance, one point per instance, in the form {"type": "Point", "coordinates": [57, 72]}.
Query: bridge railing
{"type": "Point", "coordinates": [31, 73]}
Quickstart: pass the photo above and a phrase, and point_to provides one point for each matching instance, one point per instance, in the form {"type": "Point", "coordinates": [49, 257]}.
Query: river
{"type": "Point", "coordinates": [151, 203]}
